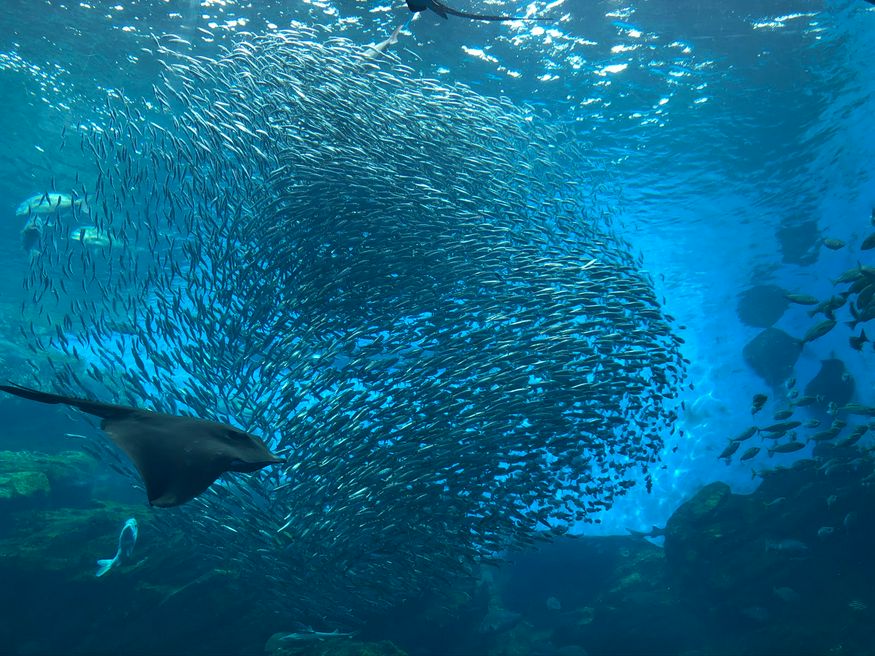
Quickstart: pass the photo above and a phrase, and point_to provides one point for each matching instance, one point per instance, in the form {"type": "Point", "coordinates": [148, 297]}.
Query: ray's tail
{"type": "Point", "coordinates": [104, 410]}
{"type": "Point", "coordinates": [442, 10]}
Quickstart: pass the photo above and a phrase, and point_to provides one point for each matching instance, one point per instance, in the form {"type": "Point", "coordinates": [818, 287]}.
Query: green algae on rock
{"type": "Point", "coordinates": [23, 486]}
{"type": "Point", "coordinates": [59, 480]}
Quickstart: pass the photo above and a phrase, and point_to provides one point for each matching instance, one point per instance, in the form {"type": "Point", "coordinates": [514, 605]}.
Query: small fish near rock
{"type": "Point", "coordinates": [295, 639]}
{"type": "Point", "coordinates": [127, 540]}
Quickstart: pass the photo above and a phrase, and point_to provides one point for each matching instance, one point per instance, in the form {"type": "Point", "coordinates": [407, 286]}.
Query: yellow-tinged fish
{"type": "Point", "coordinates": [90, 236]}
{"type": "Point", "coordinates": [49, 202]}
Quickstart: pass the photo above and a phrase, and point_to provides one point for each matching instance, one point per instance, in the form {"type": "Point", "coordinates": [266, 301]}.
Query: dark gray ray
{"type": "Point", "coordinates": [177, 457]}
{"type": "Point", "coordinates": [762, 305]}
{"type": "Point", "coordinates": [800, 241]}
{"type": "Point", "coordinates": [772, 354]}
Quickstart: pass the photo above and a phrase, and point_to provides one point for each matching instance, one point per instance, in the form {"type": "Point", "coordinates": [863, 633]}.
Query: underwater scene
{"type": "Point", "coordinates": [438, 328]}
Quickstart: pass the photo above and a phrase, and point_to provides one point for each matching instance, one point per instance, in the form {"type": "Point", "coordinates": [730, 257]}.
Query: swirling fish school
{"type": "Point", "coordinates": [399, 282]}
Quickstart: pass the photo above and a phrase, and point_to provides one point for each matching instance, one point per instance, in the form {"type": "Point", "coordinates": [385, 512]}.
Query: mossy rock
{"type": "Point", "coordinates": [23, 487]}
{"type": "Point", "coordinates": [695, 535]}
{"type": "Point", "coordinates": [68, 540]}
{"type": "Point", "coordinates": [56, 465]}
{"type": "Point", "coordinates": [522, 640]}
{"type": "Point", "coordinates": [698, 514]}
{"type": "Point", "coordinates": [66, 475]}
{"type": "Point", "coordinates": [703, 505]}
{"type": "Point", "coordinates": [382, 648]}
{"type": "Point", "coordinates": [333, 647]}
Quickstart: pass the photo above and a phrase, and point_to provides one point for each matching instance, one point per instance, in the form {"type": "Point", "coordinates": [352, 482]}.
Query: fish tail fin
{"type": "Point", "coordinates": [103, 410]}
{"type": "Point", "coordinates": [104, 565]}
{"type": "Point", "coordinates": [393, 38]}
{"type": "Point", "coordinates": [856, 316]}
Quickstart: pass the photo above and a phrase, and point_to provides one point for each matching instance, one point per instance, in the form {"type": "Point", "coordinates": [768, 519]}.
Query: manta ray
{"type": "Point", "coordinates": [178, 457]}
{"type": "Point", "coordinates": [443, 11]}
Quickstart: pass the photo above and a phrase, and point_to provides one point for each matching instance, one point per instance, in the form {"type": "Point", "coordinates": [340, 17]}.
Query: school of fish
{"type": "Point", "coordinates": [405, 288]}
{"type": "Point", "coordinates": [800, 417]}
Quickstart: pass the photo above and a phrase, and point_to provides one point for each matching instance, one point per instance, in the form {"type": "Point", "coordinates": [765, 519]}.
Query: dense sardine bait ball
{"type": "Point", "coordinates": [402, 286]}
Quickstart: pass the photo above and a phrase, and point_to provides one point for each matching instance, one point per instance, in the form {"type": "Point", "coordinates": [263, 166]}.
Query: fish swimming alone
{"type": "Point", "coordinates": [177, 457]}
{"type": "Point", "coordinates": [374, 51]}
{"type": "Point", "coordinates": [443, 11]}
{"type": "Point", "coordinates": [127, 540]}
{"type": "Point", "coordinates": [280, 640]}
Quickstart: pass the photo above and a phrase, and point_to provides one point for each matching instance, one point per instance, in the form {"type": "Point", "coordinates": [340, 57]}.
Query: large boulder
{"type": "Point", "coordinates": [29, 479]}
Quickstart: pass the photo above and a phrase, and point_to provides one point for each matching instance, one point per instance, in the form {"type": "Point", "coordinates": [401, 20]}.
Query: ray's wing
{"type": "Point", "coordinates": [173, 457]}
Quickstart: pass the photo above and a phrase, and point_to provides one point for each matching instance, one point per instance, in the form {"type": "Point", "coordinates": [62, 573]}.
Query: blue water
{"type": "Point", "coordinates": [709, 125]}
